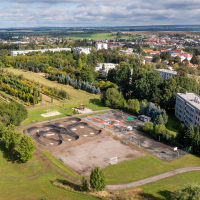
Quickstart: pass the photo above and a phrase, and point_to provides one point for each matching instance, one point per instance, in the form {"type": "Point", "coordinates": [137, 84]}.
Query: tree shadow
{"type": "Point", "coordinates": [164, 193]}
{"type": "Point", "coordinates": [10, 156]}
{"type": "Point", "coordinates": [74, 186]}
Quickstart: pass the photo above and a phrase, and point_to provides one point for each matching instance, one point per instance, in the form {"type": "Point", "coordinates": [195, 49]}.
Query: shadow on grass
{"type": "Point", "coordinates": [66, 184]}
{"type": "Point", "coordinates": [10, 156]}
{"type": "Point", "coordinates": [164, 193]}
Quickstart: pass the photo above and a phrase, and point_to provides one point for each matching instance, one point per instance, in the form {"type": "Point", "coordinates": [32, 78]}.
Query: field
{"type": "Point", "coordinates": [35, 114]}
{"type": "Point", "coordinates": [74, 94]}
{"type": "Point", "coordinates": [33, 180]}
{"type": "Point", "coordinates": [162, 32]}
{"type": "Point", "coordinates": [144, 167]}
{"type": "Point", "coordinates": [95, 36]}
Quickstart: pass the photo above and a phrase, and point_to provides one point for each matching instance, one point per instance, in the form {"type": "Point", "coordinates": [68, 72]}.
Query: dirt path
{"type": "Point", "coordinates": [38, 123]}
{"type": "Point", "coordinates": [152, 179]}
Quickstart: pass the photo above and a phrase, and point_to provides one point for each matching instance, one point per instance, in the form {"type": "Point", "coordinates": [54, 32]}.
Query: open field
{"type": "Point", "coordinates": [162, 189]}
{"type": "Point", "coordinates": [162, 32]}
{"type": "Point", "coordinates": [95, 36]}
{"type": "Point", "coordinates": [74, 94]}
{"type": "Point", "coordinates": [35, 114]}
{"type": "Point", "coordinates": [33, 180]}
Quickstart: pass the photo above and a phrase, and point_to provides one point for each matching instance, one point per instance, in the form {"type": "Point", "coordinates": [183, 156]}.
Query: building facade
{"type": "Point", "coordinates": [187, 108]}
{"type": "Point", "coordinates": [15, 53]}
{"type": "Point", "coordinates": [164, 73]}
{"type": "Point", "coordinates": [107, 66]}
{"type": "Point", "coordinates": [99, 45]}
{"type": "Point", "coordinates": [80, 50]}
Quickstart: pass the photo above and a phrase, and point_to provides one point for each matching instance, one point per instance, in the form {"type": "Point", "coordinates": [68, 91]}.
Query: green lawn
{"type": "Point", "coordinates": [33, 180]}
{"type": "Point", "coordinates": [172, 121]}
{"type": "Point", "coordinates": [144, 167]}
{"type": "Point", "coordinates": [74, 94]}
{"type": "Point", "coordinates": [35, 114]}
{"type": "Point", "coordinates": [163, 188]}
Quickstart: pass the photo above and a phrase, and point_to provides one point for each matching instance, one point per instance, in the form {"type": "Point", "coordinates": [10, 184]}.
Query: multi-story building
{"type": "Point", "coordinates": [107, 66]}
{"type": "Point", "coordinates": [15, 53]}
{"type": "Point", "coordinates": [80, 50]}
{"type": "Point", "coordinates": [187, 108]}
{"type": "Point", "coordinates": [164, 73]}
{"type": "Point", "coordinates": [99, 45]}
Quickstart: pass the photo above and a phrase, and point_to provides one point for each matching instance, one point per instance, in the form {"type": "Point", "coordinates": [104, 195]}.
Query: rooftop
{"type": "Point", "coordinates": [166, 71]}
{"type": "Point", "coordinates": [192, 98]}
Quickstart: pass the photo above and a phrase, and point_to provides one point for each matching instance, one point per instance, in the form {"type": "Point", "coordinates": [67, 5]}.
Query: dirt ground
{"type": "Point", "coordinates": [84, 157]}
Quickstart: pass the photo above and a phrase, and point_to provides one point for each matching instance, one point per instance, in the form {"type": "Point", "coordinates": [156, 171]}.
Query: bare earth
{"type": "Point", "coordinates": [84, 157]}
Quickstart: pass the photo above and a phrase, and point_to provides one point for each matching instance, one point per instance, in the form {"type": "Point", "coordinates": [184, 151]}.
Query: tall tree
{"type": "Point", "coordinates": [97, 179]}
{"type": "Point", "coordinates": [159, 120]}
{"type": "Point", "coordinates": [180, 137]}
{"type": "Point", "coordinates": [26, 148]}
{"type": "Point", "coordinates": [79, 65]}
{"type": "Point", "coordinates": [143, 108]}
{"type": "Point", "coordinates": [196, 142]}
{"type": "Point", "coordinates": [189, 136]}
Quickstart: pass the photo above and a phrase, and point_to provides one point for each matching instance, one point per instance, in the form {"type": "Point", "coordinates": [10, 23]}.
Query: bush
{"type": "Point", "coordinates": [77, 87]}
{"type": "Point", "coordinates": [84, 184]}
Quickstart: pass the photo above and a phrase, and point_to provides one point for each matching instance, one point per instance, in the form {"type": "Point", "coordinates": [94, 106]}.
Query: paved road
{"type": "Point", "coordinates": [37, 123]}
{"type": "Point", "coordinates": [152, 179]}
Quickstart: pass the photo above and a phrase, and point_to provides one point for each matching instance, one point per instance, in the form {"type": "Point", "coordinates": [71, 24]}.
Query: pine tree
{"type": "Point", "coordinates": [196, 142]}
{"type": "Point", "coordinates": [189, 135]}
{"type": "Point", "coordinates": [143, 109]}
{"type": "Point", "coordinates": [2, 129]}
{"type": "Point", "coordinates": [97, 179]}
{"type": "Point", "coordinates": [164, 115]}
{"type": "Point", "coordinates": [103, 67]}
{"type": "Point", "coordinates": [26, 148]}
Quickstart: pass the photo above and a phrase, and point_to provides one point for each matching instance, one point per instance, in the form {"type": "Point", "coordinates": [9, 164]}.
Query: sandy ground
{"type": "Point", "coordinates": [84, 157]}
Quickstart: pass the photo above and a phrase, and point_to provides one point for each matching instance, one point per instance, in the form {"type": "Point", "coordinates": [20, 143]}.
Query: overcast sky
{"type": "Point", "coordinates": [67, 13]}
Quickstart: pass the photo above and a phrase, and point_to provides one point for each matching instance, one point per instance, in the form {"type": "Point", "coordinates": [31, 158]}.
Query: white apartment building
{"type": "Point", "coordinates": [164, 73]}
{"type": "Point", "coordinates": [80, 50]}
{"type": "Point", "coordinates": [15, 53]}
{"type": "Point", "coordinates": [187, 108]}
{"type": "Point", "coordinates": [108, 66]}
{"type": "Point", "coordinates": [99, 45]}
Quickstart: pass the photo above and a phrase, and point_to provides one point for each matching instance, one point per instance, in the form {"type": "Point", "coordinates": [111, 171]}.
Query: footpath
{"type": "Point", "coordinates": [153, 178]}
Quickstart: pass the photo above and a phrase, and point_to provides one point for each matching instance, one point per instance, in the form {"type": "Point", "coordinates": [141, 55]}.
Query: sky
{"type": "Point", "coordinates": [77, 13]}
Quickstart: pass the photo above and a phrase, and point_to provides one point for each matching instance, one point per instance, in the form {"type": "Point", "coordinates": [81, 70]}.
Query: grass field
{"type": "Point", "coordinates": [95, 36]}
{"type": "Point", "coordinates": [172, 121]}
{"type": "Point", "coordinates": [162, 189]}
{"type": "Point", "coordinates": [144, 167]}
{"type": "Point", "coordinates": [35, 114]}
{"type": "Point", "coordinates": [33, 180]}
{"type": "Point", "coordinates": [74, 94]}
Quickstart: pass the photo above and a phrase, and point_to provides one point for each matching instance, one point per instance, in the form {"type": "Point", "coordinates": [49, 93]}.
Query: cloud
{"type": "Point", "coordinates": [23, 13]}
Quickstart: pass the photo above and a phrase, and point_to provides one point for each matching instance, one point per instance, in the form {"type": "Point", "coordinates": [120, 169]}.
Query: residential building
{"type": "Point", "coordinates": [164, 73]}
{"type": "Point", "coordinates": [99, 45]}
{"type": "Point", "coordinates": [15, 53]}
{"type": "Point", "coordinates": [80, 50]}
{"type": "Point", "coordinates": [187, 108]}
{"type": "Point", "coordinates": [107, 66]}
{"type": "Point", "coordinates": [147, 59]}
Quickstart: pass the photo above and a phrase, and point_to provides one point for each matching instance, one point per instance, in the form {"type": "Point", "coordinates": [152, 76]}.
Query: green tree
{"type": "Point", "coordinates": [26, 148]}
{"type": "Point", "coordinates": [79, 65]}
{"type": "Point", "coordinates": [111, 97]}
{"type": "Point", "coordinates": [103, 67]}
{"type": "Point", "coordinates": [159, 120]}
{"type": "Point", "coordinates": [189, 135]}
{"type": "Point", "coordinates": [159, 129]}
{"type": "Point", "coordinates": [97, 179]}
{"type": "Point", "coordinates": [156, 58]}
{"type": "Point", "coordinates": [190, 191]}
{"type": "Point", "coordinates": [196, 142]}
{"type": "Point", "coordinates": [143, 108]}
{"type": "Point", "coordinates": [10, 137]}
{"type": "Point", "coordinates": [2, 129]}
{"type": "Point", "coordinates": [84, 184]}
{"type": "Point", "coordinates": [181, 134]}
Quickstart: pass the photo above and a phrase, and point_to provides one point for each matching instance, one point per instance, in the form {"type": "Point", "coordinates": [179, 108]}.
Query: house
{"type": "Point", "coordinates": [80, 50]}
{"type": "Point", "coordinates": [107, 66]}
{"type": "Point", "coordinates": [99, 45]}
{"type": "Point", "coordinates": [144, 118]}
{"type": "Point", "coordinates": [164, 73]}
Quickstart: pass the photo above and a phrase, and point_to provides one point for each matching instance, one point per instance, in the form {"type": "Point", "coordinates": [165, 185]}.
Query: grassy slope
{"type": "Point", "coordinates": [75, 94]}
{"type": "Point", "coordinates": [32, 180]}
{"type": "Point", "coordinates": [35, 114]}
{"type": "Point", "coordinates": [144, 167]}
